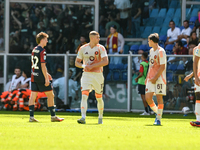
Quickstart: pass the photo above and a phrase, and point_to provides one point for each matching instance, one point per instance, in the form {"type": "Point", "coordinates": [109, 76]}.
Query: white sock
{"type": "Point", "coordinates": [84, 105]}
{"type": "Point", "coordinates": [159, 114]}
{"type": "Point", "coordinates": [154, 107]}
{"type": "Point", "coordinates": [197, 111]}
{"type": "Point", "coordinates": [100, 106]}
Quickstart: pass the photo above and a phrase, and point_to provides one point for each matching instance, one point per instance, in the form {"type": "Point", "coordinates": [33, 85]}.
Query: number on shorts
{"type": "Point", "coordinates": [34, 65]}
{"type": "Point", "coordinates": [159, 86]}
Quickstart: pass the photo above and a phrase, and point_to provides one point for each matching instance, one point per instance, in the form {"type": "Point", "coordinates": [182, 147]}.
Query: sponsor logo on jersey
{"type": "Point", "coordinates": [152, 61]}
{"type": "Point", "coordinates": [35, 51]}
{"type": "Point", "coordinates": [96, 53]}
{"type": "Point", "coordinates": [35, 74]}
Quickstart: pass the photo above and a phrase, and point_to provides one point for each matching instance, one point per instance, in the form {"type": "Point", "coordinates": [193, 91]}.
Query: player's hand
{"type": "Point", "coordinates": [197, 81]}
{"type": "Point", "coordinates": [153, 80]}
{"type": "Point", "coordinates": [187, 78]}
{"type": "Point", "coordinates": [136, 79]}
{"type": "Point", "coordinates": [121, 51]}
{"type": "Point", "coordinates": [88, 67]}
{"type": "Point", "coordinates": [46, 82]}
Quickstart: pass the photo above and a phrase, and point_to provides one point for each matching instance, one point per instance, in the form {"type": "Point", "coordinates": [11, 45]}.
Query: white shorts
{"type": "Point", "coordinates": [157, 88]}
{"type": "Point", "coordinates": [196, 88]}
{"type": "Point", "coordinates": [92, 81]}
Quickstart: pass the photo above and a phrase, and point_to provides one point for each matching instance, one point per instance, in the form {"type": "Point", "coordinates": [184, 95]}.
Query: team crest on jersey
{"type": "Point", "coordinates": [155, 57]}
{"type": "Point", "coordinates": [91, 58]}
{"type": "Point", "coordinates": [96, 53]}
{"type": "Point", "coordinates": [152, 61]}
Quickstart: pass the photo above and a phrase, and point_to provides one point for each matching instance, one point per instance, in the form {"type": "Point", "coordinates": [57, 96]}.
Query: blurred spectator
{"type": "Point", "coordinates": [72, 89]}
{"type": "Point", "coordinates": [193, 40]}
{"type": "Point", "coordinates": [188, 63]}
{"type": "Point", "coordinates": [172, 33]}
{"type": "Point", "coordinates": [16, 79]}
{"type": "Point", "coordinates": [136, 62]}
{"type": "Point", "coordinates": [26, 81]}
{"type": "Point", "coordinates": [1, 26]}
{"type": "Point", "coordinates": [167, 99]}
{"type": "Point", "coordinates": [179, 49]}
{"type": "Point", "coordinates": [197, 25]}
{"type": "Point", "coordinates": [136, 12]}
{"type": "Point", "coordinates": [110, 23]}
{"type": "Point", "coordinates": [124, 7]}
{"type": "Point", "coordinates": [162, 3]}
{"type": "Point", "coordinates": [82, 42]}
{"type": "Point", "coordinates": [185, 33]}
{"type": "Point", "coordinates": [115, 44]}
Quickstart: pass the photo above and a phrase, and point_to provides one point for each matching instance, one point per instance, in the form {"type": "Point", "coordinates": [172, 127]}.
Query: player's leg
{"type": "Point", "coordinates": [85, 95]}
{"type": "Point", "coordinates": [141, 91]}
{"type": "Point", "coordinates": [197, 107]}
{"type": "Point", "coordinates": [32, 106]}
{"type": "Point", "coordinates": [160, 106]}
{"type": "Point", "coordinates": [100, 106]}
{"type": "Point", "coordinates": [50, 102]}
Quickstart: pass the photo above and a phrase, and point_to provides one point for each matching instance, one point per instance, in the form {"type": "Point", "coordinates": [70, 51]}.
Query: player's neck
{"type": "Point", "coordinates": [92, 45]}
{"type": "Point", "coordinates": [155, 47]}
{"type": "Point", "coordinates": [41, 45]}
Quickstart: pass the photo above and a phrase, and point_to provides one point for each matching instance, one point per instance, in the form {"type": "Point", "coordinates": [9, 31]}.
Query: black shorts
{"type": "Point", "coordinates": [40, 87]}
{"type": "Point", "coordinates": [141, 89]}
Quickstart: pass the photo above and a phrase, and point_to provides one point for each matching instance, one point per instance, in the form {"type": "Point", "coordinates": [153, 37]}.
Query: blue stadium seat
{"type": "Point", "coordinates": [109, 76]}
{"type": "Point", "coordinates": [151, 22]}
{"type": "Point", "coordinates": [146, 32]}
{"type": "Point", "coordinates": [111, 66]}
{"type": "Point", "coordinates": [180, 67]}
{"type": "Point", "coordinates": [169, 76]}
{"type": "Point", "coordinates": [177, 21]}
{"type": "Point", "coordinates": [166, 22]}
{"type": "Point", "coordinates": [119, 66]}
{"type": "Point", "coordinates": [193, 19]}
{"type": "Point", "coordinates": [169, 48]}
{"type": "Point", "coordinates": [125, 67]}
{"type": "Point", "coordinates": [162, 38]}
{"type": "Point", "coordinates": [181, 28]}
{"type": "Point", "coordinates": [163, 31]}
{"type": "Point", "coordinates": [162, 45]}
{"type": "Point", "coordinates": [126, 49]}
{"type": "Point", "coordinates": [143, 47]}
{"type": "Point", "coordinates": [154, 13]}
{"type": "Point", "coordinates": [162, 13]}
{"type": "Point", "coordinates": [156, 30]}
{"type": "Point", "coordinates": [134, 49]}
{"type": "Point", "coordinates": [124, 76]}
{"type": "Point", "coordinates": [159, 22]}
{"type": "Point", "coordinates": [173, 4]}
{"type": "Point", "coordinates": [191, 26]}
{"type": "Point", "coordinates": [170, 13]}
{"type": "Point", "coordinates": [116, 75]}
{"type": "Point", "coordinates": [172, 67]}
{"type": "Point", "coordinates": [177, 13]}
{"type": "Point", "coordinates": [194, 12]}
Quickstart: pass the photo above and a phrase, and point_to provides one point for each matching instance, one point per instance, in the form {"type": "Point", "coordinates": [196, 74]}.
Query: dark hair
{"type": "Point", "coordinates": [192, 33]}
{"type": "Point", "coordinates": [28, 73]}
{"type": "Point", "coordinates": [17, 67]}
{"type": "Point", "coordinates": [40, 36]}
{"type": "Point", "coordinates": [154, 37]}
{"type": "Point", "coordinates": [145, 55]}
{"type": "Point", "coordinates": [113, 26]}
{"type": "Point", "coordinates": [186, 21]}
{"type": "Point", "coordinates": [180, 43]}
{"type": "Point", "coordinates": [172, 21]}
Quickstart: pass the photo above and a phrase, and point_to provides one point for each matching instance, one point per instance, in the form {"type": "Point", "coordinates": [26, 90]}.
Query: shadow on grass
{"type": "Point", "coordinates": [151, 125]}
{"type": "Point", "coordinates": [112, 115]}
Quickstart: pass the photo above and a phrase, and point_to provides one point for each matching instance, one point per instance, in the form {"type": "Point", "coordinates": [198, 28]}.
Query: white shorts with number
{"type": "Point", "coordinates": [196, 88]}
{"type": "Point", "coordinates": [158, 88]}
{"type": "Point", "coordinates": [92, 81]}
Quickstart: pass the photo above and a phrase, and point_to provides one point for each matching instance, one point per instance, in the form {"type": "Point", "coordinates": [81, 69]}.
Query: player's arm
{"type": "Point", "coordinates": [44, 71]}
{"type": "Point", "coordinates": [102, 63]}
{"type": "Point", "coordinates": [196, 60]}
{"type": "Point", "coordinates": [188, 77]}
{"type": "Point", "coordinates": [160, 70]}
{"type": "Point", "coordinates": [78, 63]}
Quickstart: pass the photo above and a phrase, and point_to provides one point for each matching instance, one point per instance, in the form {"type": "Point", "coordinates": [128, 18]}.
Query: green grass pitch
{"type": "Point", "coordinates": [120, 131]}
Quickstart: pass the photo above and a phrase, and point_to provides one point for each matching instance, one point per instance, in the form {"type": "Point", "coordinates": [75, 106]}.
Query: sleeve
{"type": "Point", "coordinates": [103, 52]}
{"type": "Point", "coordinates": [121, 39]}
{"type": "Point", "coordinates": [179, 31]}
{"type": "Point", "coordinates": [56, 83]}
{"type": "Point", "coordinates": [197, 52]}
{"type": "Point", "coordinates": [43, 56]}
{"type": "Point", "coordinates": [168, 33]}
{"type": "Point", "coordinates": [162, 56]}
{"type": "Point", "coordinates": [141, 69]}
{"type": "Point", "coordinates": [80, 53]}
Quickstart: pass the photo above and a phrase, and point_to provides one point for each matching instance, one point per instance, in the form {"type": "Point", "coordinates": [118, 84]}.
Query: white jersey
{"type": "Point", "coordinates": [24, 81]}
{"type": "Point", "coordinates": [15, 81]}
{"type": "Point", "coordinates": [157, 58]}
{"type": "Point", "coordinates": [196, 52]}
{"type": "Point", "coordinates": [92, 55]}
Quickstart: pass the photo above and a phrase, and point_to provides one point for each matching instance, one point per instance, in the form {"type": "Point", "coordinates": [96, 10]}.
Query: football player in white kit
{"type": "Point", "coordinates": [94, 57]}
{"type": "Point", "coordinates": [156, 78]}
{"type": "Point", "coordinates": [196, 73]}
